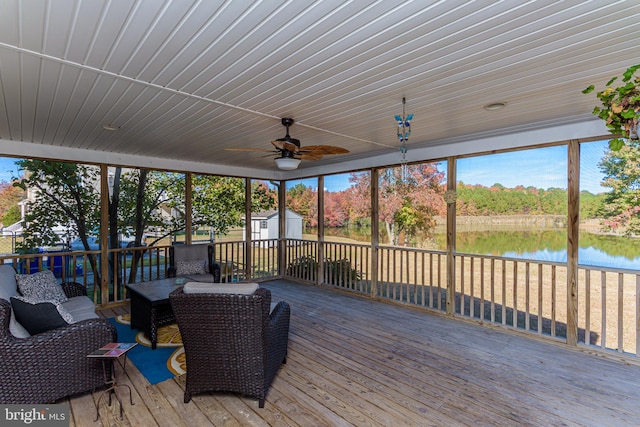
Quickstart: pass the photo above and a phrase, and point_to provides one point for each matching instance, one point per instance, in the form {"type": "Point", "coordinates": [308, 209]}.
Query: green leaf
{"type": "Point", "coordinates": [628, 114]}
{"type": "Point", "coordinates": [616, 144]}
{"type": "Point", "coordinates": [611, 81]}
{"type": "Point", "coordinates": [589, 89]}
{"type": "Point", "coordinates": [630, 72]}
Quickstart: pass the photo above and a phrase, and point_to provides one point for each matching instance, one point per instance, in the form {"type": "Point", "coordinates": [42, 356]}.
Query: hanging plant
{"type": "Point", "coordinates": [620, 107]}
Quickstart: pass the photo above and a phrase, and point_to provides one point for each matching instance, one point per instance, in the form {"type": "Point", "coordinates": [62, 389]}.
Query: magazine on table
{"type": "Point", "coordinates": [113, 349]}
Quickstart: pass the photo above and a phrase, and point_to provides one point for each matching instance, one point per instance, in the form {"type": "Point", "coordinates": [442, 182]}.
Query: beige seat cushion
{"type": "Point", "coordinates": [206, 278]}
{"type": "Point", "coordinates": [239, 288]}
{"type": "Point", "coordinates": [80, 308]}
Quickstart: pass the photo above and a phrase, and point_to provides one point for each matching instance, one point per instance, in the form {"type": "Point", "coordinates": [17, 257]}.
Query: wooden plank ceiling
{"type": "Point", "coordinates": [183, 80]}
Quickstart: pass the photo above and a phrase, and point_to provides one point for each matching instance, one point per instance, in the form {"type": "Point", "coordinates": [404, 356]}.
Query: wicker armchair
{"type": "Point", "coordinates": [232, 343]}
{"type": "Point", "coordinates": [195, 252]}
{"type": "Point", "coordinates": [52, 365]}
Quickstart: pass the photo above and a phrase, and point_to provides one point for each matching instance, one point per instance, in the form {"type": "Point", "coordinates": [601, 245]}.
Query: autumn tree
{"type": "Point", "coordinates": [336, 209]}
{"type": "Point", "coordinates": [406, 206]}
{"type": "Point", "coordinates": [359, 195]}
{"type": "Point", "coordinates": [10, 195]}
{"type": "Point", "coordinates": [303, 200]}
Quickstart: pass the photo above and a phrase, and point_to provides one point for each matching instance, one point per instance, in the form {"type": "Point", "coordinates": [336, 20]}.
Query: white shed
{"type": "Point", "coordinates": [264, 225]}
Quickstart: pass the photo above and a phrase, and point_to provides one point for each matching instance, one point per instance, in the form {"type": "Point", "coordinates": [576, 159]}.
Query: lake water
{"type": "Point", "coordinates": [538, 245]}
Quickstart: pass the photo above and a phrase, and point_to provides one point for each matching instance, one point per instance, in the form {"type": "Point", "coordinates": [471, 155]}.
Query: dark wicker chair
{"type": "Point", "coordinates": [231, 342]}
{"type": "Point", "coordinates": [52, 365]}
{"type": "Point", "coordinates": [193, 252]}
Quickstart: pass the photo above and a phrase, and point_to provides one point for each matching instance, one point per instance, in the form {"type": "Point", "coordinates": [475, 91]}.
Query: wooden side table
{"type": "Point", "coordinates": [109, 353]}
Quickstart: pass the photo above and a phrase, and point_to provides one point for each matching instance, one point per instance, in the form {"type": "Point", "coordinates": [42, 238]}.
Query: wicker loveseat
{"type": "Point", "coordinates": [50, 365]}
{"type": "Point", "coordinates": [232, 342]}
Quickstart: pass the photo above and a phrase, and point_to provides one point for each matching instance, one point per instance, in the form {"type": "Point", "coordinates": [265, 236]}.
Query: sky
{"type": "Point", "coordinates": [8, 169]}
{"type": "Point", "coordinates": [540, 168]}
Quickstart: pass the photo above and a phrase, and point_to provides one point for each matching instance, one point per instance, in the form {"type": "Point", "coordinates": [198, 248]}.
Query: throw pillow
{"type": "Point", "coordinates": [37, 317]}
{"type": "Point", "coordinates": [191, 267]}
{"type": "Point", "coordinates": [41, 287]}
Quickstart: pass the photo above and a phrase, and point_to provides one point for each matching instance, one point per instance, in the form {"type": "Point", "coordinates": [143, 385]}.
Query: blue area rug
{"type": "Point", "coordinates": [158, 365]}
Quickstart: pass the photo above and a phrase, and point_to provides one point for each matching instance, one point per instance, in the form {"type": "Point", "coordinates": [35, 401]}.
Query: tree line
{"type": "Point", "coordinates": [411, 205]}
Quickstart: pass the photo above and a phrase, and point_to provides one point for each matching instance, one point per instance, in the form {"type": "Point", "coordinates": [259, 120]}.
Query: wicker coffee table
{"type": "Point", "coordinates": [150, 306]}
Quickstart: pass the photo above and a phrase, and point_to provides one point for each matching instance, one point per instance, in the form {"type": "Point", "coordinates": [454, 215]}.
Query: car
{"type": "Point", "coordinates": [76, 245]}
{"type": "Point", "coordinates": [94, 243]}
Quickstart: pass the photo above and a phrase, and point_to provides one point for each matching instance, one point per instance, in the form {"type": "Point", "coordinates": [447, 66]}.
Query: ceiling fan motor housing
{"type": "Point", "coordinates": [288, 122]}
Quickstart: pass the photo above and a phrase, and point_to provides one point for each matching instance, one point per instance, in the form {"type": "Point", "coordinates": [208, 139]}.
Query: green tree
{"type": "Point", "coordinates": [65, 197]}
{"type": "Point", "coordinates": [591, 204]}
{"type": "Point", "coordinates": [217, 202]}
{"type": "Point", "coordinates": [12, 215]}
{"type": "Point", "coordinates": [146, 200]}
{"type": "Point", "coordinates": [621, 208]}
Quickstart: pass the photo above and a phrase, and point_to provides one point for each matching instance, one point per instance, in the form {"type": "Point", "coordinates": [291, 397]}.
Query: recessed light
{"type": "Point", "coordinates": [495, 106]}
{"type": "Point", "coordinates": [111, 127]}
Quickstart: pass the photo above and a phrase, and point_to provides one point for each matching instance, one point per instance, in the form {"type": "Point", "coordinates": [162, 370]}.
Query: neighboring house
{"type": "Point", "coordinates": [264, 225]}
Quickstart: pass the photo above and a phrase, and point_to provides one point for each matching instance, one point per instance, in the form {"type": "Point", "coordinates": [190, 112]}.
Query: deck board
{"type": "Point", "coordinates": [353, 361]}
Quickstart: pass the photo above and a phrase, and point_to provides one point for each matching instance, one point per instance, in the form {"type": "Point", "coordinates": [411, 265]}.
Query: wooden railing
{"type": "Point", "coordinates": [231, 257]}
{"type": "Point", "coordinates": [609, 308]}
{"type": "Point", "coordinates": [412, 276]}
{"type": "Point", "coordinates": [301, 259]}
{"type": "Point", "coordinates": [347, 266]}
{"type": "Point", "coordinates": [152, 263]}
{"type": "Point", "coordinates": [530, 296]}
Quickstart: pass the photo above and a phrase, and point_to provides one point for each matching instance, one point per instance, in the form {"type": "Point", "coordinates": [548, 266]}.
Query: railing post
{"type": "Point", "coordinates": [573, 231]}
{"type": "Point", "coordinates": [374, 232]}
{"type": "Point", "coordinates": [451, 236]}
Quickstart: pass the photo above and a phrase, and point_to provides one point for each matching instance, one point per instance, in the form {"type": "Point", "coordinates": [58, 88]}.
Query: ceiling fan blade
{"type": "Point", "coordinates": [258, 150]}
{"type": "Point", "coordinates": [309, 156]}
{"type": "Point", "coordinates": [284, 145]}
{"type": "Point", "coordinates": [323, 149]}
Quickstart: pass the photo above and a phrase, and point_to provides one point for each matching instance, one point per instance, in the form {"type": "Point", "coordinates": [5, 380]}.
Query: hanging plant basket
{"type": "Point", "coordinates": [620, 107]}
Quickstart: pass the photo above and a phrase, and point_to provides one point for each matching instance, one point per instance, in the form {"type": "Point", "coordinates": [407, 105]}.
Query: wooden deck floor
{"type": "Point", "coordinates": [357, 362]}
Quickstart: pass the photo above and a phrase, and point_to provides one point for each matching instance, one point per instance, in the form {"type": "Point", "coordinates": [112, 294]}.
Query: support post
{"type": "Point", "coordinates": [282, 221]}
{"type": "Point", "coordinates": [375, 231]}
{"type": "Point", "coordinates": [573, 230]}
{"type": "Point", "coordinates": [104, 236]}
{"type": "Point", "coordinates": [248, 262]}
{"type": "Point", "coordinates": [451, 236]}
{"type": "Point", "coordinates": [188, 209]}
{"type": "Point", "coordinates": [321, 263]}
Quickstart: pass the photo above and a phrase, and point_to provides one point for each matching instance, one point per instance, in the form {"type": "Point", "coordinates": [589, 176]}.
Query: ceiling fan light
{"type": "Point", "coordinates": [287, 163]}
